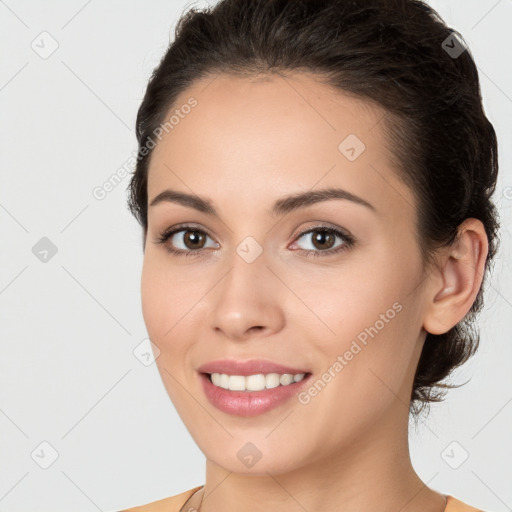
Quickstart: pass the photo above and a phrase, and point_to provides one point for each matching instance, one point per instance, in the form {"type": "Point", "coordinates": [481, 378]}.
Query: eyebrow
{"type": "Point", "coordinates": [281, 206]}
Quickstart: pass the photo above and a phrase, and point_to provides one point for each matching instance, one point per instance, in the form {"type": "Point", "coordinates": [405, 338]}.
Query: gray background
{"type": "Point", "coordinates": [70, 324]}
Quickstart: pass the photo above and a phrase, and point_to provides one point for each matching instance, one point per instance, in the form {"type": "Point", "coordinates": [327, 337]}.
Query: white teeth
{"type": "Point", "coordinates": [236, 383]}
{"type": "Point", "coordinates": [256, 382]}
{"type": "Point", "coordinates": [271, 381]}
{"type": "Point", "coordinates": [224, 381]}
{"type": "Point", "coordinates": [286, 379]}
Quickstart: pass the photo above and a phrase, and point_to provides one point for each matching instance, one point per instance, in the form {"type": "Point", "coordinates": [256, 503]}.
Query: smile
{"type": "Point", "coordinates": [256, 382]}
{"type": "Point", "coordinates": [250, 395]}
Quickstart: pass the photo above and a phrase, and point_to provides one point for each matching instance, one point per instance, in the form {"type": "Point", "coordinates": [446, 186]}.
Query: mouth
{"type": "Point", "coordinates": [254, 382]}
{"type": "Point", "coordinates": [254, 394]}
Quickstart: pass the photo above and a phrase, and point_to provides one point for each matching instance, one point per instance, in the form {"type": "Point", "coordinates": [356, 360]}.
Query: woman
{"type": "Point", "coordinates": [314, 185]}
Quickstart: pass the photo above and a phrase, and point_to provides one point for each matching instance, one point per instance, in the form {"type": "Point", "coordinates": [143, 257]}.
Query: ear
{"type": "Point", "coordinates": [460, 276]}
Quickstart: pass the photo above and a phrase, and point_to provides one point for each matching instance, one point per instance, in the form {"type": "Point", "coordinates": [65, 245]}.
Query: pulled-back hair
{"type": "Point", "coordinates": [398, 54]}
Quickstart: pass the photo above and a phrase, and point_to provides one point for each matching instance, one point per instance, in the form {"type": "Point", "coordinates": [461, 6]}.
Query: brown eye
{"type": "Point", "coordinates": [194, 239]}
{"type": "Point", "coordinates": [322, 239]}
{"type": "Point", "coordinates": [185, 240]}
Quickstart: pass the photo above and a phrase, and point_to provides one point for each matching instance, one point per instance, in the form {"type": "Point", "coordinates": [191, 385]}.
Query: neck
{"type": "Point", "coordinates": [372, 472]}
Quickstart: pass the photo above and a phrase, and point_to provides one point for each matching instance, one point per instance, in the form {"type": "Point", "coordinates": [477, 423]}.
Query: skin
{"type": "Point", "coordinates": [247, 143]}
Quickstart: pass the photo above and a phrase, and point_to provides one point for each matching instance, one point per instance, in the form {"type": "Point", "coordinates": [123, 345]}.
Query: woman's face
{"type": "Point", "coordinates": [269, 283]}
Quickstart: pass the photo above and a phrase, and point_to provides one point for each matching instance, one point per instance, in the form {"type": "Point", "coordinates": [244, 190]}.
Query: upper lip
{"type": "Point", "coordinates": [251, 367]}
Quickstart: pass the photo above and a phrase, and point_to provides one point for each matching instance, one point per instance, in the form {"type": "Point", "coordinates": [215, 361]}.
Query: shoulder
{"type": "Point", "coordinates": [455, 505]}
{"type": "Point", "coordinates": [170, 504]}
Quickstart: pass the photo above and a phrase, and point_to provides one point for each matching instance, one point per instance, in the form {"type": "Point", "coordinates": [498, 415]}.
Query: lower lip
{"type": "Point", "coordinates": [249, 403]}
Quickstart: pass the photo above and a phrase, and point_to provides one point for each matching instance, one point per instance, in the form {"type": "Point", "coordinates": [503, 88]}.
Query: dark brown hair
{"type": "Point", "coordinates": [398, 54]}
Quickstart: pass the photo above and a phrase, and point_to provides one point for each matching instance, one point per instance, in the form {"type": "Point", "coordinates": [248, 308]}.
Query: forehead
{"type": "Point", "coordinates": [271, 135]}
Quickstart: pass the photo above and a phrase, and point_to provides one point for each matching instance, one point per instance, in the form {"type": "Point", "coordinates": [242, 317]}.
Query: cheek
{"type": "Point", "coordinates": [379, 356]}
{"type": "Point", "coordinates": [162, 313]}
{"type": "Point", "coordinates": [370, 321]}
{"type": "Point", "coordinates": [169, 306]}
{"type": "Point", "coordinates": [160, 303]}
{"type": "Point", "coordinates": [344, 302]}
{"type": "Point", "coordinates": [151, 298]}
{"type": "Point", "coordinates": [367, 297]}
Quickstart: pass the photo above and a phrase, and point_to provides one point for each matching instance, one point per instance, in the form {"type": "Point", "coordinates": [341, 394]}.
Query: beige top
{"type": "Point", "coordinates": [174, 503]}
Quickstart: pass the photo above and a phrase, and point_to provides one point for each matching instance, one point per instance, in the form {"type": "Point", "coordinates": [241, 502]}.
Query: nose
{"type": "Point", "coordinates": [247, 302]}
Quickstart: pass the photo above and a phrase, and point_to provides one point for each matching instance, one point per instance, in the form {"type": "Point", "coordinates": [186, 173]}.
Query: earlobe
{"type": "Point", "coordinates": [461, 275]}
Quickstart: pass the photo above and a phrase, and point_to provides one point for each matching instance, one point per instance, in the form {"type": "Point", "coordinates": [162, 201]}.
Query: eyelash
{"type": "Point", "coordinates": [347, 239]}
